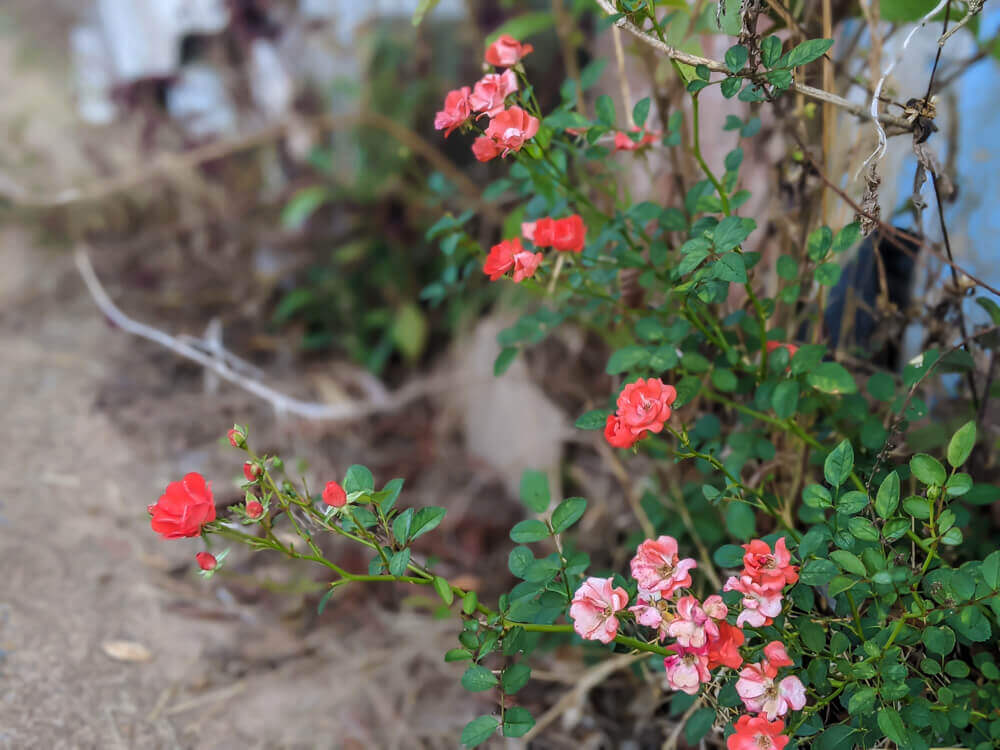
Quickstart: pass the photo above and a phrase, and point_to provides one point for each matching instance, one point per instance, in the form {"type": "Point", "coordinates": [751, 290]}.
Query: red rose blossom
{"type": "Point", "coordinates": [456, 112]}
{"type": "Point", "coordinates": [618, 434]}
{"type": "Point", "coordinates": [183, 508]}
{"type": "Point", "coordinates": [645, 405]}
{"type": "Point", "coordinates": [237, 437]}
{"type": "Point", "coordinates": [484, 148]}
{"type": "Point", "coordinates": [569, 234]}
{"type": "Point", "coordinates": [333, 494]}
{"type": "Point", "coordinates": [206, 560]}
{"type": "Point", "coordinates": [506, 51]}
{"type": "Point", "coordinates": [491, 91]}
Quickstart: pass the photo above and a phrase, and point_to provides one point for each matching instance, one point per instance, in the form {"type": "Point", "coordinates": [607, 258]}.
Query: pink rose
{"type": "Point", "coordinates": [645, 405]}
{"type": "Point", "coordinates": [757, 733]}
{"type": "Point", "coordinates": [506, 51]}
{"type": "Point", "coordinates": [511, 128]}
{"type": "Point", "coordinates": [692, 627]}
{"type": "Point", "coordinates": [484, 148]}
{"type": "Point", "coordinates": [594, 607]}
{"type": "Point", "coordinates": [617, 433]}
{"type": "Point", "coordinates": [761, 694]}
{"type": "Point", "coordinates": [649, 610]}
{"type": "Point", "coordinates": [456, 111]}
{"type": "Point", "coordinates": [776, 656]}
{"type": "Point", "coordinates": [525, 265]}
{"type": "Point", "coordinates": [760, 605]}
{"type": "Point", "coordinates": [688, 669]}
{"type": "Point", "coordinates": [772, 571]}
{"type": "Point", "coordinates": [491, 90]}
{"type": "Point", "coordinates": [657, 567]}
{"type": "Point", "coordinates": [623, 142]}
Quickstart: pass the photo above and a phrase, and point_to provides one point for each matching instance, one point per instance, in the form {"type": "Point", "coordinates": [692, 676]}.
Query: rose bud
{"type": "Point", "coordinates": [251, 470]}
{"type": "Point", "coordinates": [334, 495]}
{"type": "Point", "coordinates": [206, 560]}
{"type": "Point", "coordinates": [254, 509]}
{"type": "Point", "coordinates": [237, 437]}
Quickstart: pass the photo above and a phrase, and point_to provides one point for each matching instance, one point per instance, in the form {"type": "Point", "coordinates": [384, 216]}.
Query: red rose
{"type": "Point", "coordinates": [183, 508]}
{"type": "Point", "coordinates": [645, 405]}
{"type": "Point", "coordinates": [617, 434]}
{"type": "Point", "coordinates": [206, 560]}
{"type": "Point", "coordinates": [501, 258]}
{"type": "Point", "coordinates": [506, 51]}
{"type": "Point", "coordinates": [790, 348]}
{"type": "Point", "coordinates": [254, 509]}
{"type": "Point", "coordinates": [568, 234]}
{"type": "Point", "coordinates": [624, 142]}
{"type": "Point", "coordinates": [334, 495]}
{"type": "Point", "coordinates": [544, 232]}
{"type": "Point", "coordinates": [491, 91]}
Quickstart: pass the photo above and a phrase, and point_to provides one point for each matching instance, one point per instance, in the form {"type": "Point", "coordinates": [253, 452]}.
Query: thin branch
{"type": "Point", "coordinates": [282, 403]}
{"type": "Point", "coordinates": [719, 67]}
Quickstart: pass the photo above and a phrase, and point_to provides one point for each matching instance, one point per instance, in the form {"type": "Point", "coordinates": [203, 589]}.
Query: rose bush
{"type": "Point", "coordinates": [805, 576]}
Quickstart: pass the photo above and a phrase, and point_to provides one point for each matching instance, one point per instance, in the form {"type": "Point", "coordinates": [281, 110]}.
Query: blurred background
{"type": "Point", "coordinates": [261, 180]}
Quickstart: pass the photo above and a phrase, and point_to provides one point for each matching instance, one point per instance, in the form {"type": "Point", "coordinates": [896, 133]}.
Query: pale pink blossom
{"type": "Point", "coordinates": [688, 669]}
{"type": "Point", "coordinates": [490, 92]}
{"type": "Point", "coordinates": [594, 607]}
{"type": "Point", "coordinates": [760, 604]}
{"type": "Point", "coordinates": [649, 610]}
{"type": "Point", "coordinates": [761, 694]}
{"type": "Point", "coordinates": [776, 656]}
{"type": "Point", "coordinates": [657, 566]}
{"type": "Point", "coordinates": [692, 627]}
{"type": "Point", "coordinates": [715, 608]}
{"type": "Point", "coordinates": [525, 265]}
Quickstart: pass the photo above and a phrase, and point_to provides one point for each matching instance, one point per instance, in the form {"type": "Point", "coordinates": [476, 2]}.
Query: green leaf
{"type": "Point", "coordinates": [887, 499]}
{"type": "Point", "coordinates": [479, 730]}
{"type": "Point", "coordinates": [625, 359]}
{"type": "Point", "coordinates": [849, 562]}
{"type": "Point", "coordinates": [852, 502]}
{"type": "Point", "coordinates": [568, 512]}
{"type": "Point", "coordinates": [605, 109]}
{"type": "Point", "coordinates": [401, 526]}
{"type": "Point", "coordinates": [839, 464]}
{"type": "Point", "coordinates": [443, 589]}
{"type": "Point", "coordinates": [731, 232]}
{"type": "Point", "coordinates": [504, 360]}
{"type": "Point", "coordinates": [785, 399]}
{"type": "Point", "coordinates": [847, 237]}
{"type": "Point", "coordinates": [515, 677]}
{"type": "Point", "coordinates": [409, 331]}
{"type": "Point", "coordinates": [832, 378]}
{"type": "Point", "coordinates": [358, 479]}
{"type": "Point", "coordinates": [891, 723]}
{"type": "Point", "coordinates": [698, 726]}
{"type": "Point", "coordinates": [523, 26]}
{"type": "Point", "coordinates": [939, 640]}
{"type": "Point", "coordinates": [469, 602]}
{"type": "Point", "coordinates": [861, 702]}
{"type": "Point", "coordinates": [535, 490]}
{"type": "Point", "coordinates": [519, 560]}
{"type": "Point", "coordinates": [424, 520]}
{"type": "Point", "coordinates": [517, 722]}
{"type": "Point", "coordinates": [302, 205]}
{"type": "Point", "coordinates": [399, 561]}
{"type": "Point", "coordinates": [809, 50]}
{"type": "Point", "coordinates": [990, 570]}
{"type": "Point", "coordinates": [478, 678]}
{"type": "Point", "coordinates": [736, 58]}
{"type": "Point", "coordinates": [457, 654]}
{"type": "Point", "coordinates": [529, 531]}
{"type": "Point", "coordinates": [325, 600]}
{"type": "Point", "coordinates": [728, 556]}
{"type": "Point", "coordinates": [928, 470]}
{"type": "Point", "coordinates": [740, 521]}
{"type": "Point", "coordinates": [817, 572]}
{"type": "Point", "coordinates": [818, 243]}
{"type": "Point", "coordinates": [827, 274]}
{"type": "Point", "coordinates": [918, 507]}
{"type": "Point", "coordinates": [894, 529]}
{"type": "Point", "coordinates": [787, 268]}
{"type": "Point", "coordinates": [817, 496]}
{"type": "Point", "coordinates": [961, 444]}
{"type": "Point", "coordinates": [862, 529]}
{"type": "Point", "coordinates": [730, 267]}
{"type": "Point", "coordinates": [902, 11]}
{"type": "Point", "coordinates": [640, 112]}
{"type": "Point", "coordinates": [770, 50]}
{"type": "Point", "coordinates": [592, 420]}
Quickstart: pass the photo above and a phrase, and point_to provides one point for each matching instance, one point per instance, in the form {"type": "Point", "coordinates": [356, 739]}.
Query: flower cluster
{"type": "Point", "coordinates": [643, 407]}
{"type": "Point", "coordinates": [765, 574]}
{"type": "Point", "coordinates": [568, 235]}
{"type": "Point", "coordinates": [509, 128]}
{"type": "Point", "coordinates": [703, 638]}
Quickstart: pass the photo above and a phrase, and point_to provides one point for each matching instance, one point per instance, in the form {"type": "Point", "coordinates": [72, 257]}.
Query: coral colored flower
{"type": "Point", "coordinates": [715, 608]}
{"type": "Point", "coordinates": [772, 571]}
{"type": "Point", "coordinates": [511, 128]}
{"type": "Point", "coordinates": [692, 627]}
{"type": "Point", "coordinates": [624, 142]}
{"type": "Point", "coordinates": [251, 470]}
{"type": "Point", "coordinates": [500, 259]}
{"type": "Point", "coordinates": [569, 234]}
{"type": "Point", "coordinates": [594, 607]}
{"type": "Point", "coordinates": [757, 733]}
{"type": "Point", "coordinates": [657, 567]}
{"type": "Point", "coordinates": [759, 604]}
{"type": "Point", "coordinates": [540, 232]}
{"type": "Point", "coordinates": [183, 508]}
{"type": "Point", "coordinates": [791, 348]}
{"type": "Point", "coordinates": [206, 560]}
{"type": "Point", "coordinates": [254, 509]}
{"type": "Point", "coordinates": [618, 434]}
{"type": "Point", "coordinates": [645, 405]}
{"type": "Point", "coordinates": [334, 495]}
{"type": "Point", "coordinates": [237, 437]}
{"type": "Point", "coordinates": [776, 656]}
{"type": "Point", "coordinates": [484, 148]}
{"type": "Point", "coordinates": [491, 90]}
{"type": "Point", "coordinates": [456, 112]}
{"type": "Point", "coordinates": [761, 694]}
{"type": "Point", "coordinates": [506, 51]}
{"type": "Point", "coordinates": [724, 651]}
{"type": "Point", "coordinates": [525, 265]}
{"type": "Point", "coordinates": [688, 669]}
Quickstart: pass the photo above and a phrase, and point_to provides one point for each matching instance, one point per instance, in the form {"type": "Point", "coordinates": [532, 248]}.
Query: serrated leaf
{"type": "Point", "coordinates": [625, 359]}
{"type": "Point", "coordinates": [728, 556]}
{"type": "Point", "coordinates": [424, 520]}
{"type": "Point", "coordinates": [517, 722]}
{"type": "Point", "coordinates": [515, 677]}
{"type": "Point", "coordinates": [862, 529]}
{"type": "Point", "coordinates": [358, 479]}
{"type": "Point", "coordinates": [519, 560]}
{"type": "Point", "coordinates": [478, 678]}
{"type": "Point", "coordinates": [457, 654]}
{"type": "Point", "coordinates": [849, 562]}
{"type": "Point", "coordinates": [568, 512]}
{"type": "Point", "coordinates": [862, 701]}
{"type": "Point", "coordinates": [817, 572]}
{"type": "Point", "coordinates": [887, 499]}
{"type": "Point", "coordinates": [961, 444]}
{"type": "Point", "coordinates": [785, 399]}
{"type": "Point", "coordinates": [730, 267]}
{"type": "Point", "coordinates": [990, 570]}
{"type": "Point", "coordinates": [469, 602]}
{"type": "Point", "coordinates": [839, 464]}
{"type": "Point", "coordinates": [740, 521]}
{"type": "Point", "coordinates": [399, 561]}
{"type": "Point", "coordinates": [605, 109]}
{"type": "Point", "coordinates": [534, 490]}
{"type": "Point", "coordinates": [770, 50]}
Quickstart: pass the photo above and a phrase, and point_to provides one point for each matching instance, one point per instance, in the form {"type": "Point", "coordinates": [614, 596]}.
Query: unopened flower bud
{"type": "Point", "coordinates": [206, 560]}
{"type": "Point", "coordinates": [334, 495]}
{"type": "Point", "coordinates": [237, 437]}
{"type": "Point", "coordinates": [933, 492]}
{"type": "Point", "coordinates": [254, 509]}
{"type": "Point", "coordinates": [251, 470]}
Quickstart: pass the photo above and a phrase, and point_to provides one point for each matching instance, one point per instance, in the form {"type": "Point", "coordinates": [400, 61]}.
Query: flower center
{"type": "Point", "coordinates": [666, 570]}
{"type": "Point", "coordinates": [771, 692]}
{"type": "Point", "coordinates": [763, 741]}
{"type": "Point", "coordinates": [607, 612]}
